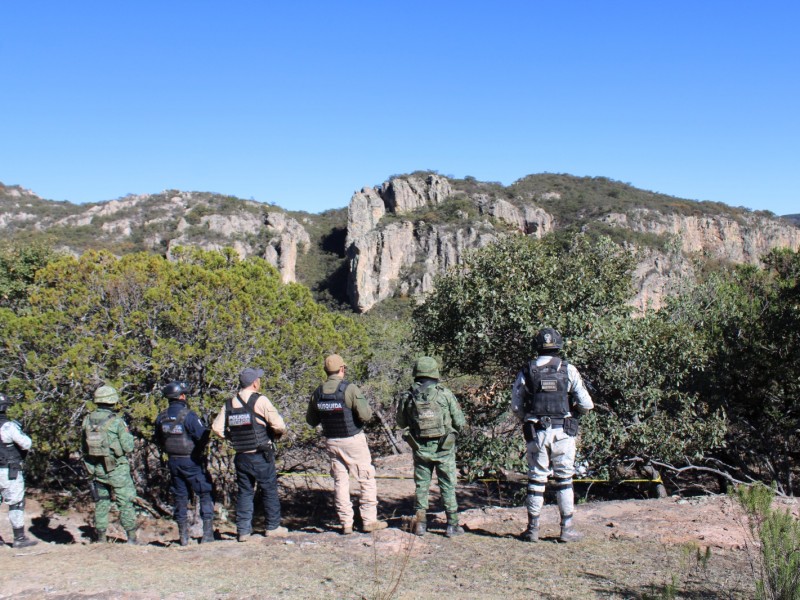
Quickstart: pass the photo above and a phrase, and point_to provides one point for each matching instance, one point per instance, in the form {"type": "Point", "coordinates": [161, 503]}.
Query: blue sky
{"type": "Point", "coordinates": [303, 103]}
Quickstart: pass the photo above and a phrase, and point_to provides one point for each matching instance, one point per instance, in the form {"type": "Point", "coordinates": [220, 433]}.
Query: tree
{"type": "Point", "coordinates": [749, 320]}
{"type": "Point", "coordinates": [482, 319]}
{"type": "Point", "coordinates": [141, 321]}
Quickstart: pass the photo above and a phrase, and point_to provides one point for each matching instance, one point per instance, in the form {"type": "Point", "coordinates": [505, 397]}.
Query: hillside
{"type": "Point", "coordinates": [393, 239]}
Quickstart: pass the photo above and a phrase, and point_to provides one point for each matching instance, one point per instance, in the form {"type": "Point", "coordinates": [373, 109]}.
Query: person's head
{"type": "Point", "coordinates": [426, 366]}
{"type": "Point", "coordinates": [106, 395]}
{"type": "Point", "coordinates": [5, 402]}
{"type": "Point", "coordinates": [250, 377]}
{"type": "Point", "coordinates": [549, 341]}
{"type": "Point", "coordinates": [334, 364]}
{"type": "Point", "coordinates": [176, 390]}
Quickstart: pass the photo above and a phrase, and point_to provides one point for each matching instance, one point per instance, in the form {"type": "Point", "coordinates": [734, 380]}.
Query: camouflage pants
{"type": "Point", "coordinates": [12, 492]}
{"type": "Point", "coordinates": [444, 464]}
{"type": "Point", "coordinates": [117, 486]}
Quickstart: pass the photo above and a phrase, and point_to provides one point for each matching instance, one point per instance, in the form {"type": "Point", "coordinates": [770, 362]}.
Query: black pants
{"type": "Point", "coordinates": [188, 475]}
{"type": "Point", "coordinates": [252, 468]}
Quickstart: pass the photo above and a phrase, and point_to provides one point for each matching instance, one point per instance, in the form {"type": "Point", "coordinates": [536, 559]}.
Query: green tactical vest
{"type": "Point", "coordinates": [95, 431]}
{"type": "Point", "coordinates": [426, 414]}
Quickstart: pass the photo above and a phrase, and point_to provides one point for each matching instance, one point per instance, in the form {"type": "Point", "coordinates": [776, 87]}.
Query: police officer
{"type": "Point", "coordinates": [250, 423]}
{"type": "Point", "coordinates": [343, 410]}
{"type": "Point", "coordinates": [106, 444]}
{"type": "Point", "coordinates": [433, 416]}
{"type": "Point", "coordinates": [548, 393]}
{"type": "Point", "coordinates": [183, 436]}
{"type": "Point", "coordinates": [14, 445]}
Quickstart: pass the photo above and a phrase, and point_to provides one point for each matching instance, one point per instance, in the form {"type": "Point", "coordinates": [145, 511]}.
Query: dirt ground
{"type": "Point", "coordinates": [632, 549]}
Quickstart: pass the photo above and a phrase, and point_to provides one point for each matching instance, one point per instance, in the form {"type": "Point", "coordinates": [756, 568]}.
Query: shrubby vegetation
{"type": "Point", "coordinates": [141, 321]}
{"type": "Point", "coordinates": [482, 319]}
{"type": "Point", "coordinates": [707, 386]}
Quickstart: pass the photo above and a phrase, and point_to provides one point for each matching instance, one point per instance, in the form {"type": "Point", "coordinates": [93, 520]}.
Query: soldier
{"type": "Point", "coordinates": [14, 445]}
{"type": "Point", "coordinates": [251, 423]}
{"type": "Point", "coordinates": [106, 445]}
{"type": "Point", "coordinates": [433, 416]}
{"type": "Point", "coordinates": [343, 410]}
{"type": "Point", "coordinates": [183, 436]}
{"type": "Point", "coordinates": [548, 394]}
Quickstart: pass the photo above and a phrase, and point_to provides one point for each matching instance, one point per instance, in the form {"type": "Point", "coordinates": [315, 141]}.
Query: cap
{"type": "Point", "coordinates": [333, 363]}
{"type": "Point", "coordinates": [249, 375]}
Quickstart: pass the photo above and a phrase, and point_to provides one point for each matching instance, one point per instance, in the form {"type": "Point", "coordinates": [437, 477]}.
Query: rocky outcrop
{"type": "Point", "coordinates": [744, 239]}
{"type": "Point", "coordinates": [160, 222]}
{"type": "Point", "coordinates": [403, 257]}
{"type": "Point", "coordinates": [288, 238]}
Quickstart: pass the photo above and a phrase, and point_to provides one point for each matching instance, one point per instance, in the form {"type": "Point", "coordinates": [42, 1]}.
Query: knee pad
{"type": "Point", "coordinates": [18, 506]}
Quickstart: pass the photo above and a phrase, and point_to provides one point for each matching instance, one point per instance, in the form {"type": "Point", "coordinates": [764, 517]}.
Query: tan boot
{"type": "Point", "coordinates": [421, 525]}
{"type": "Point", "coordinates": [374, 526]}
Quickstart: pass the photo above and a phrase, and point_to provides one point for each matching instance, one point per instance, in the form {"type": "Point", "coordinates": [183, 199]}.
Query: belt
{"type": "Point", "coordinates": [550, 423]}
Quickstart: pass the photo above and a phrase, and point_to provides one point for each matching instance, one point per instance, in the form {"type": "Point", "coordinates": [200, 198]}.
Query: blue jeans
{"type": "Point", "coordinates": [252, 468]}
{"type": "Point", "coordinates": [188, 475]}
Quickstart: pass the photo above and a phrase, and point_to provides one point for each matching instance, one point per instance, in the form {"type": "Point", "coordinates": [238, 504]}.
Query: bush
{"type": "Point", "coordinates": [777, 564]}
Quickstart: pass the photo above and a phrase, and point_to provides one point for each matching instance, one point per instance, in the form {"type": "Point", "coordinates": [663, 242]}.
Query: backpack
{"type": "Point", "coordinates": [426, 414]}
{"type": "Point", "coordinates": [96, 434]}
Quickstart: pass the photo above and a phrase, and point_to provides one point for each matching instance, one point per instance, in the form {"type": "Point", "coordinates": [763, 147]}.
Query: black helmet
{"type": "Point", "coordinates": [4, 403]}
{"type": "Point", "coordinates": [176, 389]}
{"type": "Point", "coordinates": [548, 339]}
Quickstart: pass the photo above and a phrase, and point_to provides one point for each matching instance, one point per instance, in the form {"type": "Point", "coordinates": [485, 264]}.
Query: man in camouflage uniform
{"type": "Point", "coordinates": [14, 444]}
{"type": "Point", "coordinates": [433, 443]}
{"type": "Point", "coordinates": [106, 443]}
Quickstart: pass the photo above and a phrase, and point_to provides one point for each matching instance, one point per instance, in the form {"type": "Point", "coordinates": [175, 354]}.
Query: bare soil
{"type": "Point", "coordinates": [632, 549]}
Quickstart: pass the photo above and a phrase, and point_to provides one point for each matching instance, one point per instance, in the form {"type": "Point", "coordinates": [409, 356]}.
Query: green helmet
{"type": "Point", "coordinates": [426, 367]}
{"type": "Point", "coordinates": [106, 395]}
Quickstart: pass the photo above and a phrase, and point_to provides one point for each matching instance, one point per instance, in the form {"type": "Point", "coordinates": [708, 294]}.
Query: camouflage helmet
{"type": "Point", "coordinates": [106, 395]}
{"type": "Point", "coordinates": [426, 367]}
{"type": "Point", "coordinates": [548, 339]}
{"type": "Point", "coordinates": [5, 402]}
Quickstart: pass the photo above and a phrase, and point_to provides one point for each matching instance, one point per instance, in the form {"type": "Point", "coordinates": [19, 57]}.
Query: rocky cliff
{"type": "Point", "coordinates": [399, 235]}
{"type": "Point", "coordinates": [159, 222]}
{"type": "Point", "coordinates": [403, 233]}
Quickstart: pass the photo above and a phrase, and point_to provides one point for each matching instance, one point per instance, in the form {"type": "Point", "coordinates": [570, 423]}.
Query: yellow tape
{"type": "Point", "coordinates": [401, 477]}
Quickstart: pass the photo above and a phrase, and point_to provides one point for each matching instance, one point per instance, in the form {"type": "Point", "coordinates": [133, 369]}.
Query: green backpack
{"type": "Point", "coordinates": [426, 415]}
{"type": "Point", "coordinates": [96, 433]}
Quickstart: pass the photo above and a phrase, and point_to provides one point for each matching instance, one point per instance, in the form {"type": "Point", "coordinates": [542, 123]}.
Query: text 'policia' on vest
{"type": "Point", "coordinates": [337, 419]}
{"type": "Point", "coordinates": [244, 430]}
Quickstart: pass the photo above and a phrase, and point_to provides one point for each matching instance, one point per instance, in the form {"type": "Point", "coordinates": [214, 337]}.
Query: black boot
{"type": "Point", "coordinates": [183, 533]}
{"type": "Point", "coordinates": [453, 528]}
{"type": "Point", "coordinates": [21, 540]}
{"type": "Point", "coordinates": [531, 534]}
{"type": "Point", "coordinates": [208, 531]}
{"type": "Point", "coordinates": [421, 525]}
{"type": "Point", "coordinates": [132, 540]}
{"type": "Point", "coordinates": [101, 536]}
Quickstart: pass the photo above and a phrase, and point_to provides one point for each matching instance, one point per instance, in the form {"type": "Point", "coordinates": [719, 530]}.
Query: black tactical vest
{"type": "Point", "coordinates": [547, 388]}
{"type": "Point", "coordinates": [176, 440]}
{"type": "Point", "coordinates": [10, 455]}
{"type": "Point", "coordinates": [337, 419]}
{"type": "Point", "coordinates": [243, 429]}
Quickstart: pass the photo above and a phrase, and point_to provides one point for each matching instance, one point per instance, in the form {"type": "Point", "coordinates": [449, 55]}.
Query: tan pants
{"type": "Point", "coordinates": [348, 456]}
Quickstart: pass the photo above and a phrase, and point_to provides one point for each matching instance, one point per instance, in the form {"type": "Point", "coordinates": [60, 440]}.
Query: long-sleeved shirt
{"type": "Point", "coordinates": [354, 399]}
{"type": "Point", "coordinates": [582, 401]}
{"type": "Point", "coordinates": [11, 432]}
{"type": "Point", "coordinates": [263, 409]}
